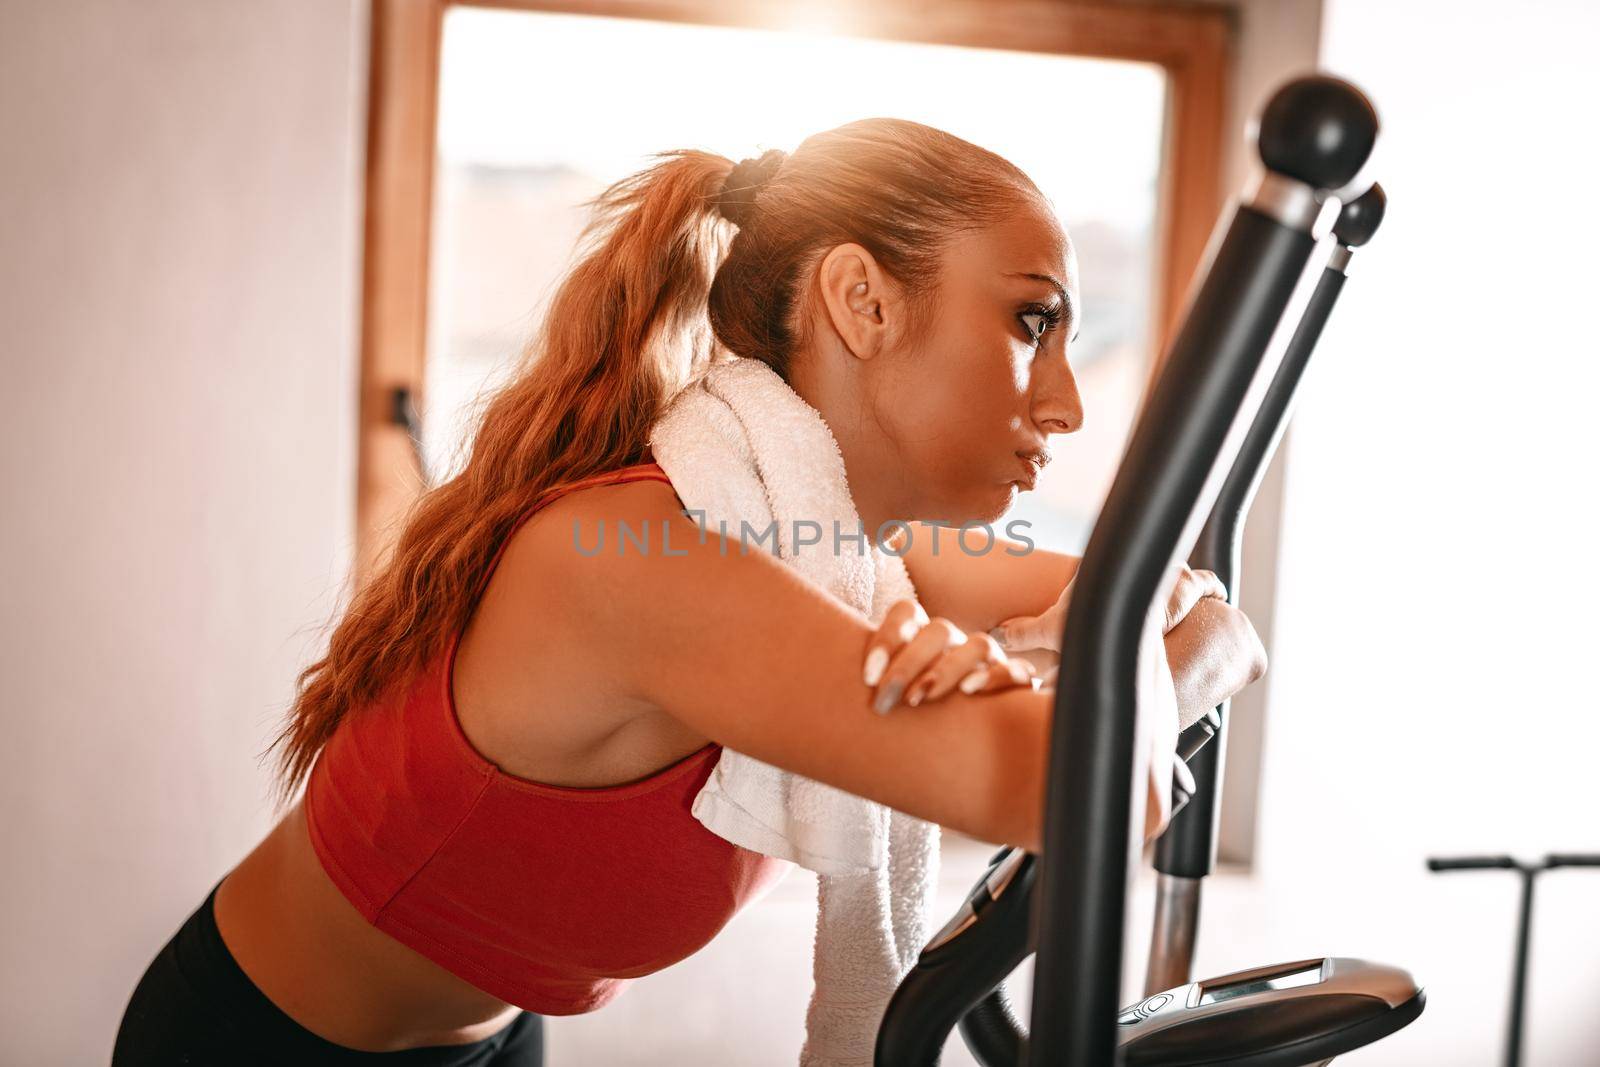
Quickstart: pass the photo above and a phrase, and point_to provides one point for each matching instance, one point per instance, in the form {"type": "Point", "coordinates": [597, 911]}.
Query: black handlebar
{"type": "Point", "coordinates": [1509, 863]}
{"type": "Point", "coordinates": [1188, 847]}
{"type": "Point", "coordinates": [1318, 130]}
{"type": "Point", "coordinates": [1315, 135]}
{"type": "Point", "coordinates": [1528, 874]}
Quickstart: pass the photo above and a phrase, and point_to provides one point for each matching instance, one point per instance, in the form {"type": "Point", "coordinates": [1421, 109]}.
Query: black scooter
{"type": "Point", "coordinates": [1519, 972]}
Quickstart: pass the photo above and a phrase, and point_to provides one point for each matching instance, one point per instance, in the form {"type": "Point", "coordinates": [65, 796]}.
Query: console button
{"type": "Point", "coordinates": [1128, 1018]}
{"type": "Point", "coordinates": [1155, 1003]}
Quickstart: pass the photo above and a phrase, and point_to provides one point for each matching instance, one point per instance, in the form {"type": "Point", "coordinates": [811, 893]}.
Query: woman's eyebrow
{"type": "Point", "coordinates": [1060, 289]}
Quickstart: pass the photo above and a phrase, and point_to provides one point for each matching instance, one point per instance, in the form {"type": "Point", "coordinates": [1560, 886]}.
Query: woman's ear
{"type": "Point", "coordinates": [857, 298]}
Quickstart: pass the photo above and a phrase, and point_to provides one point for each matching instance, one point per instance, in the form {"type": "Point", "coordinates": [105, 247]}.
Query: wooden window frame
{"type": "Point", "coordinates": [1191, 43]}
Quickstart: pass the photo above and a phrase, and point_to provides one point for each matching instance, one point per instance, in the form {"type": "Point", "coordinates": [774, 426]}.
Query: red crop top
{"type": "Point", "coordinates": [548, 897]}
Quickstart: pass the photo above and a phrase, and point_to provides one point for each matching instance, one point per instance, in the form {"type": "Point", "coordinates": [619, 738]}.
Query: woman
{"type": "Point", "coordinates": [500, 746]}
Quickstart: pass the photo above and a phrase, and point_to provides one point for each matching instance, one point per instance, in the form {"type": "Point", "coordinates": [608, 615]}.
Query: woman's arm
{"type": "Point", "coordinates": [748, 653]}
{"type": "Point", "coordinates": [1214, 651]}
{"type": "Point", "coordinates": [978, 590]}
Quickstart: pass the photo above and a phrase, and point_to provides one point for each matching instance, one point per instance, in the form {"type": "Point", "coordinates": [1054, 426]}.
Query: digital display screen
{"type": "Point", "coordinates": [1285, 980]}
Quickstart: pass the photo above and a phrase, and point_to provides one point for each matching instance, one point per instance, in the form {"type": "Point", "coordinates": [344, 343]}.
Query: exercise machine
{"type": "Point", "coordinates": [1186, 852]}
{"type": "Point", "coordinates": [1067, 907]}
{"type": "Point", "coordinates": [1190, 469]}
{"type": "Point", "coordinates": [1519, 972]}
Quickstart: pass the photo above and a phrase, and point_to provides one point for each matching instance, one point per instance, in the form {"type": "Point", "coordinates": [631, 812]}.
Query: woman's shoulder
{"type": "Point", "coordinates": [633, 492]}
{"type": "Point", "coordinates": [533, 695]}
{"type": "Point", "coordinates": [565, 545]}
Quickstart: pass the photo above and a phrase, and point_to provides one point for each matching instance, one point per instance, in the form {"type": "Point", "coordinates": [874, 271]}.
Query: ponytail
{"type": "Point", "coordinates": [624, 331]}
{"type": "Point", "coordinates": [658, 291]}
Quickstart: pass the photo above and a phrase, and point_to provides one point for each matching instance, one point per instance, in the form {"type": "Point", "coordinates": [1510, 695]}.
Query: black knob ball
{"type": "Point", "coordinates": [1319, 130]}
{"type": "Point", "coordinates": [1359, 219]}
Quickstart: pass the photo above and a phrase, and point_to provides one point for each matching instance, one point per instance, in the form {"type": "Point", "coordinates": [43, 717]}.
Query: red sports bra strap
{"type": "Point", "coordinates": [648, 470]}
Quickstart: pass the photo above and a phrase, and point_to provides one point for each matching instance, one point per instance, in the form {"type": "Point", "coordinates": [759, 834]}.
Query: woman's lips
{"type": "Point", "coordinates": [1030, 472]}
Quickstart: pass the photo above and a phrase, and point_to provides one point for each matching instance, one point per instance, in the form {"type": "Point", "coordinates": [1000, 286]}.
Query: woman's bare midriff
{"type": "Point", "coordinates": [319, 960]}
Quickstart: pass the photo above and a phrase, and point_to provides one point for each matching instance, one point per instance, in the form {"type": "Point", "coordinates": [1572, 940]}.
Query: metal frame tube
{"type": "Point", "coordinates": [1177, 919]}
{"type": "Point", "coordinates": [1178, 442]}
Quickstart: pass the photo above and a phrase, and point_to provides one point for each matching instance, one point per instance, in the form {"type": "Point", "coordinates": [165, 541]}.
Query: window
{"type": "Point", "coordinates": [511, 169]}
{"type": "Point", "coordinates": [480, 151]}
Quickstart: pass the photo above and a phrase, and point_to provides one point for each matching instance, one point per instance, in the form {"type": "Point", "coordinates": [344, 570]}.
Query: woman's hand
{"type": "Point", "coordinates": [1189, 587]}
{"type": "Point", "coordinates": [1157, 699]}
{"type": "Point", "coordinates": [923, 659]}
{"type": "Point", "coordinates": [1214, 653]}
{"type": "Point", "coordinates": [1186, 589]}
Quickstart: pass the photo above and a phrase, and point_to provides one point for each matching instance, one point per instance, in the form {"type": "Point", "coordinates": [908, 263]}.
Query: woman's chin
{"type": "Point", "coordinates": [987, 503]}
{"type": "Point", "coordinates": [993, 504]}
{"type": "Point", "coordinates": [1012, 491]}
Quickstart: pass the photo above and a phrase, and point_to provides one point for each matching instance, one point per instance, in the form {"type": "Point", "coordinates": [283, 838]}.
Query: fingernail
{"type": "Point", "coordinates": [877, 660]}
{"type": "Point", "coordinates": [916, 694]}
{"type": "Point", "coordinates": [975, 680]}
{"type": "Point", "coordinates": [908, 630]}
{"type": "Point", "coordinates": [887, 697]}
{"type": "Point", "coordinates": [999, 634]}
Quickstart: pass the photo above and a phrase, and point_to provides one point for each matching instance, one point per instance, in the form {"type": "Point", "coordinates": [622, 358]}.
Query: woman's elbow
{"type": "Point", "coordinates": [1014, 812]}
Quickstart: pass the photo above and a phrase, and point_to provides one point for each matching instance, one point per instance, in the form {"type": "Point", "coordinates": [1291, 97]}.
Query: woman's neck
{"type": "Point", "coordinates": [875, 478]}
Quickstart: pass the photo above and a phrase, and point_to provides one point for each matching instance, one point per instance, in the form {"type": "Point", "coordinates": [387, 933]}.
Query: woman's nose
{"type": "Point", "coordinates": [1056, 405]}
{"type": "Point", "coordinates": [1060, 410]}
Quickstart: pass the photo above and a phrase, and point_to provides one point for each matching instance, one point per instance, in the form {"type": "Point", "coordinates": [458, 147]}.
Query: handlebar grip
{"type": "Point", "coordinates": [1190, 742]}
{"type": "Point", "coordinates": [1472, 863]}
{"type": "Point", "coordinates": [1572, 859]}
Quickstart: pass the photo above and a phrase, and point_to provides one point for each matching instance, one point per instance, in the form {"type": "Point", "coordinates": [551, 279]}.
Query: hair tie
{"type": "Point", "coordinates": [737, 200]}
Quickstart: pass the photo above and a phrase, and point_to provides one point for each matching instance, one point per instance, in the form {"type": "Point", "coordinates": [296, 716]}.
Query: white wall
{"type": "Point", "coordinates": [179, 286]}
{"type": "Point", "coordinates": [179, 281]}
{"type": "Point", "coordinates": [1431, 689]}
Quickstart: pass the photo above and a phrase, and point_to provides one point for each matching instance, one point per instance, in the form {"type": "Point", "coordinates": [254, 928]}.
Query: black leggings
{"type": "Point", "coordinates": [196, 1006]}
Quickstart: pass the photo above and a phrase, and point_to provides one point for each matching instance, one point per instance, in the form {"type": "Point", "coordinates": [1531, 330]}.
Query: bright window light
{"type": "Point", "coordinates": [538, 112]}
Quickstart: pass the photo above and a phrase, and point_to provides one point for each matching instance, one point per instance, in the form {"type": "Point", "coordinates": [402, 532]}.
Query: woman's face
{"type": "Point", "coordinates": [963, 397]}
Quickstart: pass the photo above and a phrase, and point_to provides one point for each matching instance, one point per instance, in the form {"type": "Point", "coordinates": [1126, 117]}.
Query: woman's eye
{"type": "Point", "coordinates": [1048, 317]}
{"type": "Point", "coordinates": [1037, 333]}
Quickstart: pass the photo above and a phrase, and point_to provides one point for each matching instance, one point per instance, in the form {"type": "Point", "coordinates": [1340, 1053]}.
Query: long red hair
{"type": "Point", "coordinates": [662, 286]}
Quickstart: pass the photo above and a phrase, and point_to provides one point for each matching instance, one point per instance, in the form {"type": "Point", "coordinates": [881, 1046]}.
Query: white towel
{"type": "Point", "coordinates": [742, 447]}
